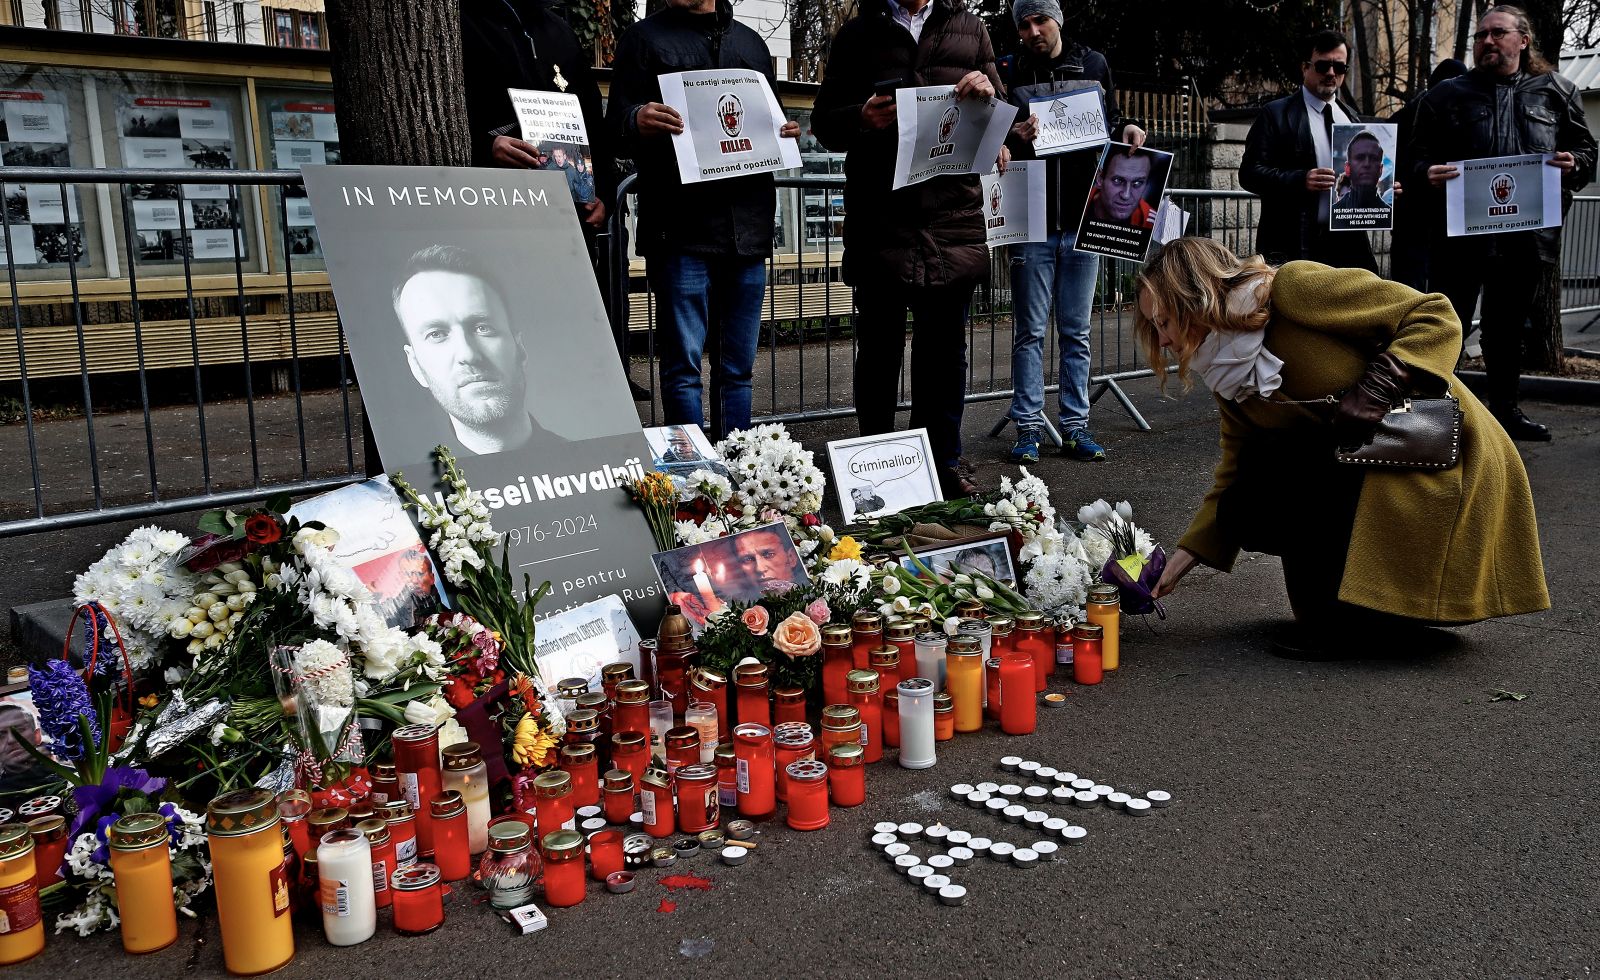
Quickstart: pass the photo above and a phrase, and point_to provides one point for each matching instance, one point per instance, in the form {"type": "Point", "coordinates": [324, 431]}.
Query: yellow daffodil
{"type": "Point", "coordinates": [846, 547]}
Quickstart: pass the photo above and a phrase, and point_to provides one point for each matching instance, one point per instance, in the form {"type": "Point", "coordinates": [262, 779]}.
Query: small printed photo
{"type": "Point", "coordinates": [990, 556]}
{"type": "Point", "coordinates": [59, 243]}
{"type": "Point", "coordinates": [678, 450]}
{"type": "Point", "coordinates": [703, 578]}
{"type": "Point", "coordinates": [1362, 198]}
{"type": "Point", "coordinates": [19, 719]}
{"type": "Point", "coordinates": [144, 121]}
{"type": "Point", "coordinates": [330, 153]}
{"type": "Point", "coordinates": [153, 192]}
{"type": "Point", "coordinates": [883, 474]}
{"type": "Point", "coordinates": [157, 245]}
{"type": "Point", "coordinates": [1119, 217]}
{"type": "Point", "coordinates": [36, 155]}
{"type": "Point", "coordinates": [17, 204]}
{"type": "Point", "coordinates": [210, 215]}
{"type": "Point", "coordinates": [574, 161]}
{"type": "Point", "coordinates": [209, 154]}
{"type": "Point", "coordinates": [303, 242]}
{"type": "Point", "coordinates": [292, 126]}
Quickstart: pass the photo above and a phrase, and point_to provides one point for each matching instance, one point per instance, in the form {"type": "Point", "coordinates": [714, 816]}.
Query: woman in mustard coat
{"type": "Point", "coordinates": [1437, 547]}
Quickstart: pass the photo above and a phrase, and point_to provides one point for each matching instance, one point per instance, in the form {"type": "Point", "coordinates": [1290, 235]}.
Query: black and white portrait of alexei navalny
{"type": "Point", "coordinates": [463, 348]}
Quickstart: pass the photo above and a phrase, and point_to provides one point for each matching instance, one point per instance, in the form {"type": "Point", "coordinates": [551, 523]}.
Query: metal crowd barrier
{"type": "Point", "coordinates": [167, 442]}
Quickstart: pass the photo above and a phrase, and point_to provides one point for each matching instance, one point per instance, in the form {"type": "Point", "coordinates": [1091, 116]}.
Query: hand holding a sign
{"type": "Point", "coordinates": [657, 119]}
{"type": "Point", "coordinates": [1563, 161]}
{"type": "Point", "coordinates": [789, 130]}
{"type": "Point", "coordinates": [974, 85]}
{"type": "Point", "coordinates": [508, 151]}
{"type": "Point", "coordinates": [1440, 173]}
{"type": "Point", "coordinates": [1319, 179]}
{"type": "Point", "coordinates": [1027, 129]}
{"type": "Point", "coordinates": [1133, 136]}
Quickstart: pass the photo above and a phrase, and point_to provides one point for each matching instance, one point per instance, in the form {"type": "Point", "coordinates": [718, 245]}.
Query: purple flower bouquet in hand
{"type": "Point", "coordinates": [1135, 578]}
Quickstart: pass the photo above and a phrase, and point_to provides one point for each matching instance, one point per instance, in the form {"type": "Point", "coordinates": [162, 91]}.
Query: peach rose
{"type": "Point", "coordinates": [797, 636]}
{"type": "Point", "coordinates": [756, 619]}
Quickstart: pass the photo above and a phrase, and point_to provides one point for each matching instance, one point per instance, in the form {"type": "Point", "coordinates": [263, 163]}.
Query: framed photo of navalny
{"type": "Point", "coordinates": [678, 450]}
{"type": "Point", "coordinates": [1120, 216]}
{"type": "Point", "coordinates": [474, 322]}
{"type": "Point", "coordinates": [989, 556]}
{"type": "Point", "coordinates": [1362, 199]}
{"type": "Point", "coordinates": [703, 578]}
{"type": "Point", "coordinates": [883, 474]}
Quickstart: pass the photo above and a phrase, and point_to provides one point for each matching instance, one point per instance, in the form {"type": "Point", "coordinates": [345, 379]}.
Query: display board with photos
{"type": "Point", "coordinates": [45, 227]}
{"type": "Point", "coordinates": [299, 130]}
{"type": "Point", "coordinates": [473, 322]}
{"type": "Point", "coordinates": [202, 221]}
{"type": "Point", "coordinates": [883, 474]}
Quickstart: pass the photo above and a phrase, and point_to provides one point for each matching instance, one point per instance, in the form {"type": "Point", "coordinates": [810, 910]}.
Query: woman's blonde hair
{"type": "Point", "coordinates": [1189, 280]}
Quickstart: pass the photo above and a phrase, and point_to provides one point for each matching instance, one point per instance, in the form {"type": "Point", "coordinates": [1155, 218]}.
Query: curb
{"type": "Point", "coordinates": [1571, 391]}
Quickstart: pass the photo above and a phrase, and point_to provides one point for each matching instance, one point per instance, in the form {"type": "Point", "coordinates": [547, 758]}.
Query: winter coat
{"type": "Point", "coordinates": [729, 217]}
{"type": "Point", "coordinates": [1067, 175]}
{"type": "Point", "coordinates": [1455, 545]}
{"type": "Point", "coordinates": [1481, 114]}
{"type": "Point", "coordinates": [931, 233]}
{"type": "Point", "coordinates": [509, 44]}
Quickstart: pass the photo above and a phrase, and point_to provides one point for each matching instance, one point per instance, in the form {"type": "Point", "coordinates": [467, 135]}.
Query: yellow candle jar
{"type": "Point", "coordinates": [252, 883]}
{"type": "Point", "coordinates": [21, 926]}
{"type": "Point", "coordinates": [1104, 609]}
{"type": "Point", "coordinates": [142, 863]}
{"type": "Point", "coordinates": [964, 681]}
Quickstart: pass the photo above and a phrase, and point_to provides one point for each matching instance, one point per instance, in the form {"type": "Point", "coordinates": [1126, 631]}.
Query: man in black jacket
{"type": "Point", "coordinates": [1416, 222]}
{"type": "Point", "coordinates": [1288, 163]}
{"type": "Point", "coordinates": [1512, 102]}
{"type": "Point", "coordinates": [705, 244]}
{"type": "Point", "coordinates": [1052, 274]}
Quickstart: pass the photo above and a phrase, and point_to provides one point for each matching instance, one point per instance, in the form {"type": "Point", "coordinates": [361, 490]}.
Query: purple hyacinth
{"type": "Point", "coordinates": [108, 662]}
{"type": "Point", "coordinates": [61, 696]}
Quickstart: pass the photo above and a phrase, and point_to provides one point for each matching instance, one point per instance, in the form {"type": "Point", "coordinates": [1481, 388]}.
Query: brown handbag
{"type": "Point", "coordinates": [1418, 433]}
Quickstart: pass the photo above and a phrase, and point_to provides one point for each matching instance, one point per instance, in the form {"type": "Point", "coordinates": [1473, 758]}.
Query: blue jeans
{"type": "Point", "coordinates": [701, 300]}
{"type": "Point", "coordinates": [1041, 271]}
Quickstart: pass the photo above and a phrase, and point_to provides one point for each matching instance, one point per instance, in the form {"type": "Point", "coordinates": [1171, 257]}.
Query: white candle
{"type": "Point", "coordinates": [473, 785]}
{"type": "Point", "coordinates": [349, 909]}
{"type": "Point", "coordinates": [702, 716]}
{"type": "Point", "coordinates": [916, 723]}
{"type": "Point", "coordinates": [702, 583]}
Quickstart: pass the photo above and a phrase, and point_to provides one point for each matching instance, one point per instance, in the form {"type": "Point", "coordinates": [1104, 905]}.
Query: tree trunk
{"type": "Point", "coordinates": [397, 82]}
{"type": "Point", "coordinates": [398, 95]}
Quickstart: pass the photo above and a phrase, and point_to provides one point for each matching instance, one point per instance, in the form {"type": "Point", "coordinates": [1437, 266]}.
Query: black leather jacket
{"type": "Point", "coordinates": [731, 217]}
{"type": "Point", "coordinates": [1484, 115]}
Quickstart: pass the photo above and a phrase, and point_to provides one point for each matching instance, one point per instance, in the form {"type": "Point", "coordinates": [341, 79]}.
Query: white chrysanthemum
{"type": "Point", "coordinates": [324, 672]}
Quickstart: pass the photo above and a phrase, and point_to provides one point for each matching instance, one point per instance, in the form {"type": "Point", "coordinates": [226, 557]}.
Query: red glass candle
{"type": "Point", "coordinates": [416, 760]}
{"type": "Point", "coordinates": [847, 775]}
{"type": "Point", "coordinates": [750, 680]}
{"type": "Point", "coordinates": [620, 795]}
{"type": "Point", "coordinates": [385, 786]}
{"type": "Point", "coordinates": [49, 848]}
{"type": "Point", "coordinates": [418, 899]}
{"type": "Point", "coordinates": [655, 802]}
{"type": "Point", "coordinates": [697, 797]}
{"type": "Point", "coordinates": [838, 660]}
{"type": "Point", "coordinates": [630, 712]}
{"type": "Point", "coordinates": [1002, 635]}
{"type": "Point", "coordinates": [672, 675]}
{"type": "Point", "coordinates": [583, 723]}
{"type": "Point", "coordinates": [1034, 635]}
{"type": "Point", "coordinates": [1087, 667]}
{"type": "Point", "coordinates": [841, 724]}
{"type": "Point", "coordinates": [788, 705]}
{"type": "Point", "coordinates": [891, 718]}
{"type": "Point", "coordinates": [866, 635]}
{"type": "Point", "coordinates": [563, 868]}
{"type": "Point", "coordinates": [647, 664]}
{"type": "Point", "coordinates": [865, 698]}
{"type": "Point", "coordinates": [808, 795]}
{"type": "Point", "coordinates": [1019, 705]}
{"type": "Point", "coordinates": [792, 741]}
{"type": "Point", "coordinates": [944, 717]}
{"type": "Point", "coordinates": [630, 751]}
{"type": "Point", "coordinates": [683, 747]}
{"type": "Point", "coordinates": [402, 825]}
{"type": "Point", "coordinates": [902, 635]}
{"type": "Point", "coordinates": [605, 853]}
{"type": "Point", "coordinates": [886, 661]}
{"type": "Point", "coordinates": [382, 844]}
{"type": "Point", "coordinates": [991, 683]}
{"type": "Point", "coordinates": [611, 675]}
{"type": "Point", "coordinates": [727, 762]}
{"type": "Point", "coordinates": [707, 685]}
{"type": "Point", "coordinates": [554, 808]}
{"type": "Point", "coordinates": [452, 845]}
{"type": "Point", "coordinates": [582, 763]}
{"type": "Point", "coordinates": [294, 805]}
{"type": "Point", "coordinates": [757, 789]}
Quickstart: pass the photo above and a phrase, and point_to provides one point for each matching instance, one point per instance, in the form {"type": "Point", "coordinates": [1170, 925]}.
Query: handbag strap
{"type": "Point", "coordinates": [90, 610]}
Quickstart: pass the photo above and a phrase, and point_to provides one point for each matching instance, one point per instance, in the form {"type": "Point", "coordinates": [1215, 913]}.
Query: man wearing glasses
{"type": "Point", "coordinates": [1511, 102]}
{"type": "Point", "coordinates": [1288, 163]}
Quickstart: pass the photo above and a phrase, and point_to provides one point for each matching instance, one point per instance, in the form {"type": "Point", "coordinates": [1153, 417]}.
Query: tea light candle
{"type": "Point", "coordinates": [957, 838]}
{"type": "Point", "coordinates": [996, 806]}
{"type": "Point", "coordinates": [1024, 857]}
{"type": "Point", "coordinates": [977, 798]}
{"type": "Point", "coordinates": [1055, 825]}
{"type": "Point", "coordinates": [1015, 813]}
{"type": "Point", "coordinates": [988, 787]}
{"type": "Point", "coordinates": [1062, 795]}
{"type": "Point", "coordinates": [1010, 763]}
{"type": "Point", "coordinates": [1035, 819]}
{"type": "Point", "coordinates": [940, 862]}
{"type": "Point", "coordinates": [1027, 768]}
{"type": "Point", "coordinates": [885, 827]}
{"type": "Point", "coordinates": [881, 841]}
{"type": "Point", "coordinates": [1064, 778]}
{"type": "Point", "coordinates": [952, 895]}
{"type": "Point", "coordinates": [897, 850]}
{"type": "Point", "coordinates": [962, 856]}
{"type": "Point", "coordinates": [1116, 801]}
{"type": "Point", "coordinates": [960, 790]}
{"type": "Point", "coordinates": [909, 831]}
{"type": "Point", "coordinates": [1101, 789]}
{"type": "Point", "coordinates": [919, 872]}
{"type": "Point", "coordinates": [937, 834]}
{"type": "Point", "coordinates": [1074, 835]}
{"type": "Point", "coordinates": [1086, 799]}
{"type": "Point", "coordinates": [979, 846]}
{"type": "Point", "coordinates": [349, 903]}
{"type": "Point", "coordinates": [1036, 793]}
{"type": "Point", "coordinates": [1046, 849]}
{"type": "Point", "coordinates": [1159, 797]}
{"type": "Point", "coordinates": [905, 862]}
{"type": "Point", "coordinates": [1083, 785]}
{"type": "Point", "coordinates": [1139, 807]}
{"type": "Point", "coordinates": [1001, 851]}
{"type": "Point", "coordinates": [1010, 790]}
{"type": "Point", "coordinates": [932, 883]}
{"type": "Point", "coordinates": [1045, 774]}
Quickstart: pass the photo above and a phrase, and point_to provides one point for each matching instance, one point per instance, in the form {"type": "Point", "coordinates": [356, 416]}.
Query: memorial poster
{"type": "Point", "coordinates": [1120, 215]}
{"type": "Point", "coordinates": [474, 322]}
{"type": "Point", "coordinates": [1362, 198]}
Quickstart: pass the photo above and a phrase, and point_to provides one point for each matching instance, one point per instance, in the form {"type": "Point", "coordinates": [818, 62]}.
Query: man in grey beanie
{"type": "Point", "coordinates": [1050, 273]}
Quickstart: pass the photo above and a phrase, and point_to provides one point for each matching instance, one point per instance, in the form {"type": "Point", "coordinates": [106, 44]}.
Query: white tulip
{"type": "Point", "coordinates": [984, 593]}
{"type": "Point", "coordinates": [216, 640]}
{"type": "Point", "coordinates": [196, 647]}
{"type": "Point", "coordinates": [1125, 510]}
{"type": "Point", "coordinates": [195, 614]}
{"type": "Point", "coordinates": [235, 576]}
{"type": "Point", "coordinates": [181, 628]}
{"type": "Point", "coordinates": [223, 589]}
{"type": "Point", "coordinates": [202, 630]}
{"type": "Point", "coordinates": [1086, 514]}
{"type": "Point", "coordinates": [229, 566]}
{"type": "Point", "coordinates": [218, 612]}
{"type": "Point", "coordinates": [274, 581]}
{"type": "Point", "coordinates": [205, 600]}
{"type": "Point", "coordinates": [952, 625]}
{"type": "Point", "coordinates": [891, 585]}
{"type": "Point", "coordinates": [245, 585]}
{"type": "Point", "coordinates": [235, 603]}
{"type": "Point", "coordinates": [901, 604]}
{"type": "Point", "coordinates": [962, 578]}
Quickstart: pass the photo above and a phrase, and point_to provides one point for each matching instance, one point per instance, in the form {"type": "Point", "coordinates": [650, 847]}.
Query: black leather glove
{"type": "Point", "coordinates": [1363, 406]}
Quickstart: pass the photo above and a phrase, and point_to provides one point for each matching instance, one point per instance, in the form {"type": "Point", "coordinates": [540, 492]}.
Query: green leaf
{"type": "Point", "coordinates": [378, 709]}
{"type": "Point", "coordinates": [278, 503]}
{"type": "Point", "coordinates": [213, 522]}
{"type": "Point", "coordinates": [60, 770]}
{"type": "Point", "coordinates": [410, 694]}
{"type": "Point", "coordinates": [1498, 694]}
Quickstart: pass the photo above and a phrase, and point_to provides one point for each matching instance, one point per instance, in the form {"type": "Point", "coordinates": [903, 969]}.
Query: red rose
{"type": "Point", "coordinates": [262, 529]}
{"type": "Point", "coordinates": [458, 692]}
{"type": "Point", "coordinates": [810, 520]}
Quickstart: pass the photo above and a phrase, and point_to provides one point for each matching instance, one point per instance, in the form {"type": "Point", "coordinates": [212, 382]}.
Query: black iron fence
{"type": "Point", "coordinates": [141, 375]}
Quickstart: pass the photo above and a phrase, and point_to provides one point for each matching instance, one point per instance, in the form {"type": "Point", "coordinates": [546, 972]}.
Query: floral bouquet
{"type": "Point", "coordinates": [141, 585]}
{"type": "Point", "coordinates": [781, 630]}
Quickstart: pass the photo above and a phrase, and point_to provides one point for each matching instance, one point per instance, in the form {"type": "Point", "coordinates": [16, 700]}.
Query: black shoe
{"type": "Point", "coordinates": [639, 392]}
{"type": "Point", "coordinates": [1519, 426]}
{"type": "Point", "coordinates": [955, 484]}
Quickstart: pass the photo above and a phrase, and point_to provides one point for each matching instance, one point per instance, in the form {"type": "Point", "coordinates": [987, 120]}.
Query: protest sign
{"type": "Point", "coordinates": [1498, 194]}
{"type": "Point", "coordinates": [1072, 121]}
{"type": "Point", "coordinates": [579, 642]}
{"type": "Point", "coordinates": [1013, 204]}
{"type": "Point", "coordinates": [941, 135]}
{"type": "Point", "coordinates": [883, 474]}
{"type": "Point", "coordinates": [1362, 199]}
{"type": "Point", "coordinates": [553, 123]}
{"type": "Point", "coordinates": [474, 322]}
{"type": "Point", "coordinates": [731, 121]}
{"type": "Point", "coordinates": [1171, 222]}
{"type": "Point", "coordinates": [1119, 218]}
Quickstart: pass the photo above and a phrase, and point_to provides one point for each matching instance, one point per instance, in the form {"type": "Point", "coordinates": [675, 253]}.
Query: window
{"type": "Point", "coordinates": [283, 21]}
{"type": "Point", "coordinates": [310, 31]}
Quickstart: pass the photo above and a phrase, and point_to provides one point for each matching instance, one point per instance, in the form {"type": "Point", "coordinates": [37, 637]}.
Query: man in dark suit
{"type": "Point", "coordinates": [1288, 163]}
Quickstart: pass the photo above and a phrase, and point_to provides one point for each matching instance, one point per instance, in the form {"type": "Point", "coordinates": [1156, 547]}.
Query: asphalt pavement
{"type": "Point", "coordinates": [1383, 815]}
